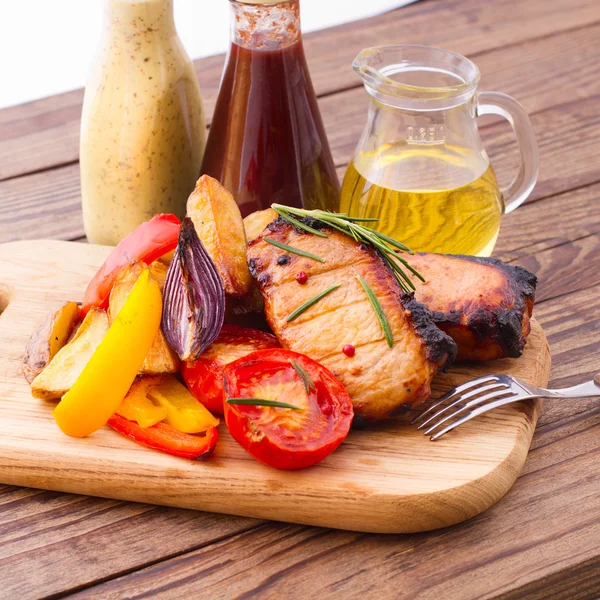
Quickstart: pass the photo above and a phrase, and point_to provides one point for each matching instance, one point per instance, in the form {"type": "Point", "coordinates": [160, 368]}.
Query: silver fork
{"type": "Point", "coordinates": [483, 394]}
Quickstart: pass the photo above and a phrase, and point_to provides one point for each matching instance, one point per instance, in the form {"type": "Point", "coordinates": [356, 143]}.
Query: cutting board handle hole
{"type": "Point", "coordinates": [6, 294]}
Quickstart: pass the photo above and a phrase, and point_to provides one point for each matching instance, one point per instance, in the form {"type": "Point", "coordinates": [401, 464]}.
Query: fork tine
{"type": "Point", "coordinates": [463, 398]}
{"type": "Point", "coordinates": [457, 390]}
{"type": "Point", "coordinates": [476, 412]}
{"type": "Point", "coordinates": [481, 400]}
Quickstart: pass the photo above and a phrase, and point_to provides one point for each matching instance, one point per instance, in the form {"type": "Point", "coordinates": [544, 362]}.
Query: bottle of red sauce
{"type": "Point", "coordinates": [267, 142]}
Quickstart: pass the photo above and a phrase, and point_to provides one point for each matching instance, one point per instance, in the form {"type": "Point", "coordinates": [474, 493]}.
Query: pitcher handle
{"type": "Point", "coordinates": [496, 103]}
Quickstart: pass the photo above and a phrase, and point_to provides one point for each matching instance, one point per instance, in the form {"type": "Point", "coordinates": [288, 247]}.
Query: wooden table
{"type": "Point", "coordinates": [543, 539]}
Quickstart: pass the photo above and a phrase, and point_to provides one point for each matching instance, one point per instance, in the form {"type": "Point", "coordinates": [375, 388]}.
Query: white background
{"type": "Point", "coordinates": [46, 45]}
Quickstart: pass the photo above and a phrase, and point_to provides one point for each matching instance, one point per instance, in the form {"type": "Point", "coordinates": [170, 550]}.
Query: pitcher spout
{"type": "Point", "coordinates": [417, 77]}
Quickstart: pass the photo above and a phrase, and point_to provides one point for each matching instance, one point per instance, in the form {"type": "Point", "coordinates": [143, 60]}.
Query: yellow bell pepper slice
{"type": "Point", "coordinates": [136, 406]}
{"type": "Point", "coordinates": [105, 380]}
{"type": "Point", "coordinates": [184, 412]}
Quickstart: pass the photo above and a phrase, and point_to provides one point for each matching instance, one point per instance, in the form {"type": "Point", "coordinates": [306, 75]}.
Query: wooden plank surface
{"type": "Point", "coordinates": [541, 540]}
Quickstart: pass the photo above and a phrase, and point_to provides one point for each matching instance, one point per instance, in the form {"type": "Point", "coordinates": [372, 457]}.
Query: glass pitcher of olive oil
{"type": "Point", "coordinates": [420, 167]}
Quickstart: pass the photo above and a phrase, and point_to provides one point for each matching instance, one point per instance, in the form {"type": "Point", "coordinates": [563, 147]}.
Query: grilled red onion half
{"type": "Point", "coordinates": [193, 297]}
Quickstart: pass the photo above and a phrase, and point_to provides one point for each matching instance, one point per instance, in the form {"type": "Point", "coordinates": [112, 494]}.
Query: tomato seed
{"type": "Point", "coordinates": [301, 277]}
{"type": "Point", "coordinates": [349, 350]}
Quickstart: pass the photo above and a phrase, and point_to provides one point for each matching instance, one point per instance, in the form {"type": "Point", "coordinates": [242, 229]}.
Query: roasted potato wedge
{"type": "Point", "coordinates": [255, 222]}
{"type": "Point", "coordinates": [161, 359]}
{"type": "Point", "coordinates": [49, 338]}
{"type": "Point", "coordinates": [60, 375]}
{"type": "Point", "coordinates": [219, 225]}
{"type": "Point", "coordinates": [158, 270]}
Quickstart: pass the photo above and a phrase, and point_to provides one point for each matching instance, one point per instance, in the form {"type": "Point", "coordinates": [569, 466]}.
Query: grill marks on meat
{"type": "Point", "coordinates": [381, 381]}
{"type": "Point", "coordinates": [482, 303]}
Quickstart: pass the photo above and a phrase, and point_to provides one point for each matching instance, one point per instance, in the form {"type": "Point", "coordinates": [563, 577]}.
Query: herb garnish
{"type": "Point", "coordinates": [301, 225]}
{"type": "Point", "coordinates": [385, 325]}
{"type": "Point", "coordinates": [293, 250]}
{"type": "Point", "coordinates": [312, 301]}
{"type": "Point", "coordinates": [261, 402]}
{"type": "Point", "coordinates": [361, 234]}
{"type": "Point", "coordinates": [306, 380]}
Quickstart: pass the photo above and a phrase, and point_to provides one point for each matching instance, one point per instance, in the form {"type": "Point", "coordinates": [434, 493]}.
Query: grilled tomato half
{"type": "Point", "coordinates": [285, 409]}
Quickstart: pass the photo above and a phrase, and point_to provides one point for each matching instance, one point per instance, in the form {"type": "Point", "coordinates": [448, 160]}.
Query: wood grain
{"type": "Point", "coordinates": [539, 74]}
{"type": "Point", "coordinates": [97, 538]}
{"type": "Point", "coordinates": [567, 217]}
{"type": "Point", "coordinates": [575, 258]}
{"type": "Point", "coordinates": [573, 325]}
{"type": "Point", "coordinates": [560, 247]}
{"type": "Point", "coordinates": [46, 205]}
{"type": "Point", "coordinates": [566, 161]}
{"type": "Point", "coordinates": [45, 133]}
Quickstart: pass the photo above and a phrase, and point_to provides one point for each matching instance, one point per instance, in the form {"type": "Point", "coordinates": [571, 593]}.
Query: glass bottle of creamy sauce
{"type": "Point", "coordinates": [142, 127]}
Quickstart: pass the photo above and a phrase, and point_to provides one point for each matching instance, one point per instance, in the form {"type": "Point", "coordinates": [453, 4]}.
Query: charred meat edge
{"type": "Point", "coordinates": [502, 326]}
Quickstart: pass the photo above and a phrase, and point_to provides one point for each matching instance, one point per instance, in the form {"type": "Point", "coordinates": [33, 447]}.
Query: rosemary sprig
{"type": "Point", "coordinates": [306, 380]}
{"type": "Point", "coordinates": [409, 267]}
{"type": "Point", "coordinates": [312, 301]}
{"type": "Point", "coordinates": [261, 402]}
{"type": "Point", "coordinates": [360, 219]}
{"type": "Point", "coordinates": [388, 247]}
{"type": "Point", "coordinates": [301, 225]}
{"type": "Point", "coordinates": [385, 325]}
{"type": "Point", "coordinates": [293, 250]}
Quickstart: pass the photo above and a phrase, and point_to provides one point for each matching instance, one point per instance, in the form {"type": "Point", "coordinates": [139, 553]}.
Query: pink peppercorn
{"type": "Point", "coordinates": [349, 350]}
{"type": "Point", "coordinates": [301, 277]}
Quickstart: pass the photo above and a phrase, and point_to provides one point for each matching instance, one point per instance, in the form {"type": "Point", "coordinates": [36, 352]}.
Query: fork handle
{"type": "Point", "coordinates": [590, 388]}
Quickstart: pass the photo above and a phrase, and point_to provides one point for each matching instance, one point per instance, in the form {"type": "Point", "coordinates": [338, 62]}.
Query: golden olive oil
{"type": "Point", "coordinates": [434, 199]}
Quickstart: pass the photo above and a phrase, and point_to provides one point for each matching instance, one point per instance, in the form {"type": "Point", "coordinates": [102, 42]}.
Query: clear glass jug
{"type": "Point", "coordinates": [420, 167]}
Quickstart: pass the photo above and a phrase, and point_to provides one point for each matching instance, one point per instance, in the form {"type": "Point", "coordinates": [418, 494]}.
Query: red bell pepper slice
{"type": "Point", "coordinates": [149, 241]}
{"type": "Point", "coordinates": [168, 439]}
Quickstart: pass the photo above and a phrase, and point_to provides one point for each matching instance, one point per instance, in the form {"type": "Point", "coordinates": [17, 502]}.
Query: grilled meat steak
{"type": "Point", "coordinates": [381, 381]}
{"type": "Point", "coordinates": [483, 304]}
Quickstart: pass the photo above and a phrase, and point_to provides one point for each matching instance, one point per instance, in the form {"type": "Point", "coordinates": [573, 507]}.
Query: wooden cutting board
{"type": "Point", "coordinates": [390, 478]}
